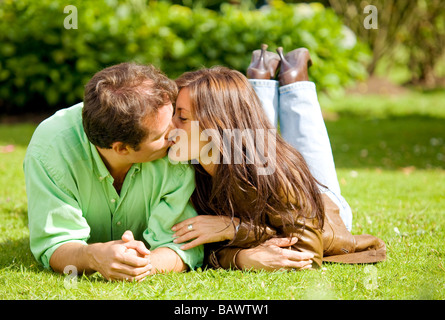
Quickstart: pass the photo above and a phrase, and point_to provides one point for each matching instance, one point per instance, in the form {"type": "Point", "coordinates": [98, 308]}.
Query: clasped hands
{"type": "Point", "coordinates": [125, 259]}
{"type": "Point", "coordinates": [273, 254]}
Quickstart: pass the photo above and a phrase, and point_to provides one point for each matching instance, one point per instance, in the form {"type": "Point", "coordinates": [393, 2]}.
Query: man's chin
{"type": "Point", "coordinates": [175, 159]}
{"type": "Point", "coordinates": [157, 156]}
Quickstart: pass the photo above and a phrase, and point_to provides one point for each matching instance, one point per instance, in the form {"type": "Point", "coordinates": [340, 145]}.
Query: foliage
{"type": "Point", "coordinates": [43, 65]}
{"type": "Point", "coordinates": [409, 32]}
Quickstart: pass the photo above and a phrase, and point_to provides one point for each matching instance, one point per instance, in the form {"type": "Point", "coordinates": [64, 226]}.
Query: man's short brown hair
{"type": "Point", "coordinates": [118, 99]}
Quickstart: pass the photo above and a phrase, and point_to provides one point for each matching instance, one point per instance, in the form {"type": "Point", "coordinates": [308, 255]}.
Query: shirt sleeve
{"type": "Point", "coordinates": [54, 214]}
{"type": "Point", "coordinates": [174, 207]}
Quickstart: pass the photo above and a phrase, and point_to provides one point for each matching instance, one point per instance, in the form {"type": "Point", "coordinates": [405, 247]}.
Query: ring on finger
{"type": "Point", "coordinates": [190, 227]}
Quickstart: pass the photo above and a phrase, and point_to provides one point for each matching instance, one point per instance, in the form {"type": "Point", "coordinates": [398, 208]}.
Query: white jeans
{"type": "Point", "coordinates": [302, 125]}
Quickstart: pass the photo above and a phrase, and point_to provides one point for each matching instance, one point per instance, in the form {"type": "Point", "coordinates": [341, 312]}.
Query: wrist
{"type": "Point", "coordinates": [89, 253]}
{"type": "Point", "coordinates": [238, 259]}
{"type": "Point", "coordinates": [231, 232]}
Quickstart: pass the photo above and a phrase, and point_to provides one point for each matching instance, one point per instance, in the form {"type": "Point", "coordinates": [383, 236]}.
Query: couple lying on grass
{"type": "Point", "coordinates": [144, 176]}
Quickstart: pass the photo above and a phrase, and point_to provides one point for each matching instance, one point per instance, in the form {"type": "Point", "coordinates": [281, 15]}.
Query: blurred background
{"type": "Point", "coordinates": [390, 75]}
{"type": "Point", "coordinates": [45, 66]}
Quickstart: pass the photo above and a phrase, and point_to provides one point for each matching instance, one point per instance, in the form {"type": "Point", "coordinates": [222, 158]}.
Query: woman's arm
{"type": "Point", "coordinates": [209, 229]}
{"type": "Point", "coordinates": [204, 229]}
{"type": "Point", "coordinates": [273, 254]}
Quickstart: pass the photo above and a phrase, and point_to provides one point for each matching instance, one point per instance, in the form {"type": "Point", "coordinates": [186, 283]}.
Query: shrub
{"type": "Point", "coordinates": [45, 66]}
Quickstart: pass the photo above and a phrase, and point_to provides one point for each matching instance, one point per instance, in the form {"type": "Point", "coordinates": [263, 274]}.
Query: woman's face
{"type": "Point", "coordinates": [186, 137]}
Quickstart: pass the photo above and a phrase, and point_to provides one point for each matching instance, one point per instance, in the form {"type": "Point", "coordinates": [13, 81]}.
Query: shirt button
{"type": "Point", "coordinates": [118, 223]}
{"type": "Point", "coordinates": [113, 200]}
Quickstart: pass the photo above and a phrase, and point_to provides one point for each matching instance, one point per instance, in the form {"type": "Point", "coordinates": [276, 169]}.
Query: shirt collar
{"type": "Point", "coordinates": [100, 170]}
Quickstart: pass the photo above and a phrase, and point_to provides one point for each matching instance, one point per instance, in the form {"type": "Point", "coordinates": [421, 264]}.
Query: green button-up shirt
{"type": "Point", "coordinates": [71, 195]}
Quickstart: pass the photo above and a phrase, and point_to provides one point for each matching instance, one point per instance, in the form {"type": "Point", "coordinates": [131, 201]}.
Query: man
{"type": "Point", "coordinates": [97, 178]}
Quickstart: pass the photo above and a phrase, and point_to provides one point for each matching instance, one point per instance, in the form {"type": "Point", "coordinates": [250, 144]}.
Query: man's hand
{"type": "Point", "coordinates": [271, 256]}
{"type": "Point", "coordinates": [126, 259]}
{"type": "Point", "coordinates": [162, 259]}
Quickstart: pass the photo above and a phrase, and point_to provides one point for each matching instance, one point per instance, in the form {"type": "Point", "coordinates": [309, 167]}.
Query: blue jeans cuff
{"type": "Point", "coordinates": [264, 83]}
{"type": "Point", "coordinates": [305, 85]}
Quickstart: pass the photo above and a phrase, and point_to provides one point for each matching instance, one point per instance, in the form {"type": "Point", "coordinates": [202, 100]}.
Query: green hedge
{"type": "Point", "coordinates": [45, 66]}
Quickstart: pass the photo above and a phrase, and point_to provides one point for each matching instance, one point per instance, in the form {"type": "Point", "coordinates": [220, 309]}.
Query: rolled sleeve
{"type": "Point", "coordinates": [159, 233]}
{"type": "Point", "coordinates": [173, 208]}
{"type": "Point", "coordinates": [54, 214]}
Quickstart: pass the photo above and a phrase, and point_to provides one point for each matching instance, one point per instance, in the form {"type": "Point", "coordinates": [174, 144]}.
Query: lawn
{"type": "Point", "coordinates": [390, 157]}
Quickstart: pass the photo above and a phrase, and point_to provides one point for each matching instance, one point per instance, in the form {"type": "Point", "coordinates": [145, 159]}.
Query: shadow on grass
{"type": "Point", "coordinates": [16, 254]}
{"type": "Point", "coordinates": [388, 143]}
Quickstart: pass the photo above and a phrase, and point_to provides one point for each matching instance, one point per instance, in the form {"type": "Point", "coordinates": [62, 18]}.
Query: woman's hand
{"type": "Point", "coordinates": [204, 229]}
{"type": "Point", "coordinates": [274, 254]}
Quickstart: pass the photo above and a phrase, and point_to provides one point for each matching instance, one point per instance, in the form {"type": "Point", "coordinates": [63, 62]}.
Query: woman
{"type": "Point", "coordinates": [245, 195]}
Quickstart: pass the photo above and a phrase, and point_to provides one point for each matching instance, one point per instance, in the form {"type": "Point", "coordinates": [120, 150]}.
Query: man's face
{"type": "Point", "coordinates": [155, 146]}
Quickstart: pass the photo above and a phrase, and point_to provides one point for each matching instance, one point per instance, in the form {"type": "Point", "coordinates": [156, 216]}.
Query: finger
{"type": "Point", "coordinates": [192, 244]}
{"type": "Point", "coordinates": [281, 242]}
{"type": "Point", "coordinates": [297, 264]}
{"type": "Point", "coordinates": [308, 267]}
{"type": "Point", "coordinates": [137, 254]}
{"type": "Point", "coordinates": [185, 229]}
{"type": "Point", "coordinates": [127, 236]}
{"type": "Point", "coordinates": [142, 276]}
{"type": "Point", "coordinates": [182, 231]}
{"type": "Point", "coordinates": [186, 237]}
{"type": "Point", "coordinates": [134, 261]}
{"type": "Point", "coordinates": [130, 271]}
{"type": "Point", "coordinates": [139, 246]}
{"type": "Point", "coordinates": [183, 224]}
{"type": "Point", "coordinates": [123, 272]}
{"type": "Point", "coordinates": [297, 256]}
{"type": "Point", "coordinates": [131, 251]}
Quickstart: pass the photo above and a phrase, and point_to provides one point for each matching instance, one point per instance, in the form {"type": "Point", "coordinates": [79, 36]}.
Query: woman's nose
{"type": "Point", "coordinates": [175, 122]}
{"type": "Point", "coordinates": [171, 131]}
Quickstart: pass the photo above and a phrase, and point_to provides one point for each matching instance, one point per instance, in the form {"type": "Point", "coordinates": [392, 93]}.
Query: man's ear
{"type": "Point", "coordinates": [120, 148]}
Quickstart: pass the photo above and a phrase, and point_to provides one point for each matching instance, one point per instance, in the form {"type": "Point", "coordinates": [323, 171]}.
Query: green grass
{"type": "Point", "coordinates": [391, 167]}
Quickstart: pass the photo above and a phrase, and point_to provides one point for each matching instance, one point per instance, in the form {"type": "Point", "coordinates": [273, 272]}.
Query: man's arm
{"type": "Point", "coordinates": [58, 231]}
{"type": "Point", "coordinates": [163, 259]}
{"type": "Point", "coordinates": [71, 253]}
{"type": "Point", "coordinates": [172, 207]}
{"type": "Point", "coordinates": [166, 260]}
{"type": "Point", "coordinates": [115, 260]}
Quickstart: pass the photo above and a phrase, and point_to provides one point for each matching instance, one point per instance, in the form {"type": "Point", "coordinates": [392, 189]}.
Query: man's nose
{"type": "Point", "coordinates": [170, 130]}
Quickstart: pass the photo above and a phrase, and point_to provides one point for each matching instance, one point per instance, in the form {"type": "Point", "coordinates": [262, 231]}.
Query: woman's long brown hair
{"type": "Point", "coordinates": [224, 99]}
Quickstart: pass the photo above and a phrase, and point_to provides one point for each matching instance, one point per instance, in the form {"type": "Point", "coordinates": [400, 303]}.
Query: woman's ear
{"type": "Point", "coordinates": [120, 148]}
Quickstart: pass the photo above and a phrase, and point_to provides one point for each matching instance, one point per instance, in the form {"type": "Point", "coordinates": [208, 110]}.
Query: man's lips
{"type": "Point", "coordinates": [172, 140]}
